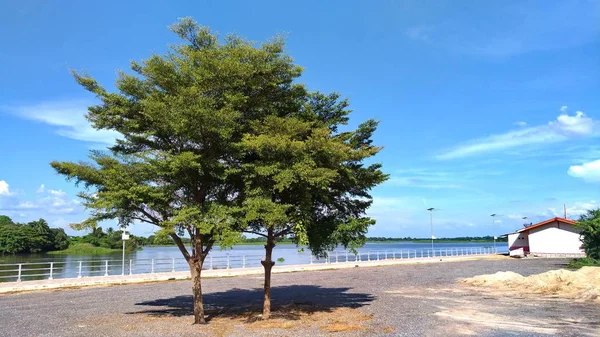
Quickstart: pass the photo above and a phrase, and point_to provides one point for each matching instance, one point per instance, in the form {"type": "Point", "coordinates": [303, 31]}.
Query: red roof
{"type": "Point", "coordinates": [563, 220]}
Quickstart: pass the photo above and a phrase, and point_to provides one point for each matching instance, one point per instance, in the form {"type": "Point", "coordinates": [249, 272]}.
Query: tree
{"type": "Point", "coordinates": [589, 224]}
{"type": "Point", "coordinates": [40, 237]}
{"type": "Point", "coordinates": [60, 239]}
{"type": "Point", "coordinates": [5, 220]}
{"type": "Point", "coordinates": [305, 178]}
{"type": "Point", "coordinates": [33, 237]}
{"type": "Point", "coordinates": [181, 117]}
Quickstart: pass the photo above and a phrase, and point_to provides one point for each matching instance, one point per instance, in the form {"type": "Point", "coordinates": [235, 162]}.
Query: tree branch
{"type": "Point", "coordinates": [283, 232]}
{"type": "Point", "coordinates": [181, 246]}
{"type": "Point", "coordinates": [257, 233]}
{"type": "Point", "coordinates": [193, 238]}
{"type": "Point", "coordinates": [144, 220]}
{"type": "Point", "coordinates": [156, 221]}
{"type": "Point", "coordinates": [209, 245]}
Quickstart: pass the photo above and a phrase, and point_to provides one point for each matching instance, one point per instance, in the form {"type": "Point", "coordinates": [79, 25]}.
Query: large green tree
{"type": "Point", "coordinates": [305, 178]}
{"type": "Point", "coordinates": [589, 224]}
{"type": "Point", "coordinates": [181, 117]}
{"type": "Point", "coordinates": [33, 237]}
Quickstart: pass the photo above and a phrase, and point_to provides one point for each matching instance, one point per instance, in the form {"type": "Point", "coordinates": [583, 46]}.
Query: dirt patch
{"type": "Point", "coordinates": [583, 284]}
{"type": "Point", "coordinates": [464, 312]}
{"type": "Point", "coordinates": [296, 317]}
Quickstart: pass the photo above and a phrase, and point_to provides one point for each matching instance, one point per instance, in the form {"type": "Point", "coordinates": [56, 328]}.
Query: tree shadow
{"type": "Point", "coordinates": [287, 302]}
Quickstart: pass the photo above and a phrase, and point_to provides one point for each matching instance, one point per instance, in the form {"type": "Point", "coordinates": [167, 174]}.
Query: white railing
{"type": "Point", "coordinates": [94, 268]}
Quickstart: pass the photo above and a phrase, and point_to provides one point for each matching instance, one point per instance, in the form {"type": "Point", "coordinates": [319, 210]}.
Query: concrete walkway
{"type": "Point", "coordinates": [95, 281]}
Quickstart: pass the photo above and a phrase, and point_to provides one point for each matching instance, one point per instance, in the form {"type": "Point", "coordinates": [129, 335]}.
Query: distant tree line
{"type": "Point", "coordinates": [38, 237]}
{"type": "Point", "coordinates": [31, 237]}
{"type": "Point", "coordinates": [111, 239]}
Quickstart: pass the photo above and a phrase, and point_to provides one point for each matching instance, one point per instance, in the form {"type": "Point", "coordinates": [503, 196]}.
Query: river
{"type": "Point", "coordinates": [167, 258]}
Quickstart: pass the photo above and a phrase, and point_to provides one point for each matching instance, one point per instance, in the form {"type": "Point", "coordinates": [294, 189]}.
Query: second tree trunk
{"type": "Point", "coordinates": [268, 264]}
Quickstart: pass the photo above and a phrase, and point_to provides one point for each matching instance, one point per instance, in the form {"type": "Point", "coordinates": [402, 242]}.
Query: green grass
{"type": "Point", "coordinates": [85, 249]}
{"type": "Point", "coordinates": [583, 262]}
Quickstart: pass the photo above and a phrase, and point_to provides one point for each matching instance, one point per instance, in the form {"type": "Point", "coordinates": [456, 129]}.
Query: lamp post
{"type": "Point", "coordinates": [493, 222]}
{"type": "Point", "coordinates": [431, 225]}
{"type": "Point", "coordinates": [125, 237]}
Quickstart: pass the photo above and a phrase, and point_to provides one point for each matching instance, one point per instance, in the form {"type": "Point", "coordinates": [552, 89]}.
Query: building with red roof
{"type": "Point", "coordinates": [552, 237]}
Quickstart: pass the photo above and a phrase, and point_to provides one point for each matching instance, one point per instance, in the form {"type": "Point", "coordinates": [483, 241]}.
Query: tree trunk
{"type": "Point", "coordinates": [196, 270]}
{"type": "Point", "coordinates": [268, 264]}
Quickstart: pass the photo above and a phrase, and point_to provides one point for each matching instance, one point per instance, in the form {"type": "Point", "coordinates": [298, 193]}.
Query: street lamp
{"type": "Point", "coordinates": [125, 237]}
{"type": "Point", "coordinates": [493, 222]}
{"type": "Point", "coordinates": [431, 224]}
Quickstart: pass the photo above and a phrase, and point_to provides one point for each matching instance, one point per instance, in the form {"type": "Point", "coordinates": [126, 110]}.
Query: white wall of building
{"type": "Point", "coordinates": [518, 243]}
{"type": "Point", "coordinates": [555, 237]}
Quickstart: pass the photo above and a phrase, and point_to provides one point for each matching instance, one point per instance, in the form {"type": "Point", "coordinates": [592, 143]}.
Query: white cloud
{"type": "Point", "coordinates": [574, 211]}
{"type": "Point", "coordinates": [48, 202]}
{"type": "Point", "coordinates": [564, 108]}
{"type": "Point", "coordinates": [58, 193]}
{"type": "Point", "coordinates": [578, 125]}
{"type": "Point", "coordinates": [565, 127]}
{"type": "Point", "coordinates": [42, 189]}
{"type": "Point", "coordinates": [4, 188]}
{"type": "Point", "coordinates": [26, 205]}
{"type": "Point", "coordinates": [521, 123]}
{"type": "Point", "coordinates": [68, 118]}
{"type": "Point", "coordinates": [588, 171]}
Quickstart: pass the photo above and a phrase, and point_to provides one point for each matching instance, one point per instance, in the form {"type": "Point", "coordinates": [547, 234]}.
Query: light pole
{"type": "Point", "coordinates": [431, 224]}
{"type": "Point", "coordinates": [493, 222]}
{"type": "Point", "coordinates": [125, 237]}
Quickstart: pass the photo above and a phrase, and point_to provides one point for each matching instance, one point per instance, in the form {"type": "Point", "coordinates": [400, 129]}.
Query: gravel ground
{"type": "Point", "coordinates": [404, 300]}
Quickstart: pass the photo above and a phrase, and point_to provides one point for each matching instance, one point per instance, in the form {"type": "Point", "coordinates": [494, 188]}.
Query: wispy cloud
{"type": "Point", "coordinates": [68, 119]}
{"type": "Point", "coordinates": [565, 127]}
{"type": "Point", "coordinates": [521, 123]}
{"type": "Point", "coordinates": [574, 210]}
{"type": "Point", "coordinates": [587, 171]}
{"type": "Point", "coordinates": [41, 189]}
{"type": "Point", "coordinates": [46, 202]}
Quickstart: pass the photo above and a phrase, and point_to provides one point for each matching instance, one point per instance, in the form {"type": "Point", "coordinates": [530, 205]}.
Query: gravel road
{"type": "Point", "coordinates": [404, 300]}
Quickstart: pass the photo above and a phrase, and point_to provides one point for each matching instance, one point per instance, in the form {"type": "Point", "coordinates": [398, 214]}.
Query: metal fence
{"type": "Point", "coordinates": [98, 268]}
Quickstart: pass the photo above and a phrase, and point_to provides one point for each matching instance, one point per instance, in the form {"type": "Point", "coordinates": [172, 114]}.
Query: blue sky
{"type": "Point", "coordinates": [485, 107]}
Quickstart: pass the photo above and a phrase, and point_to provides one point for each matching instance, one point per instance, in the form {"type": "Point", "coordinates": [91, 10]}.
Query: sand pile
{"type": "Point", "coordinates": [581, 284]}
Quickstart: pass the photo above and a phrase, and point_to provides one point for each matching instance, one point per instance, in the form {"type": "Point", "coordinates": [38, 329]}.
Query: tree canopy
{"type": "Point", "coordinates": [32, 237]}
{"type": "Point", "coordinates": [181, 117]}
{"type": "Point", "coordinates": [589, 224]}
{"type": "Point", "coordinates": [216, 139]}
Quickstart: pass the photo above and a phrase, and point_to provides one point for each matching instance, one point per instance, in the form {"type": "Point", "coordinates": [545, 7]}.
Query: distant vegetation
{"type": "Point", "coordinates": [81, 248]}
{"type": "Point", "coordinates": [38, 237]}
{"type": "Point", "coordinates": [111, 239]}
{"type": "Point", "coordinates": [31, 237]}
